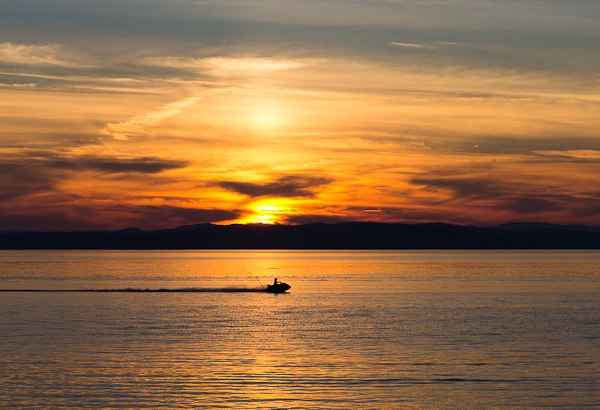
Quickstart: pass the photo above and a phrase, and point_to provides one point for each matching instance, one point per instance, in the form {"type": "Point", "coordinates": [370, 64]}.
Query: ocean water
{"type": "Point", "coordinates": [358, 329]}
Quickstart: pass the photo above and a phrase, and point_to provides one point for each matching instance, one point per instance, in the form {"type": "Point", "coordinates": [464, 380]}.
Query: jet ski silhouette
{"type": "Point", "coordinates": [277, 287]}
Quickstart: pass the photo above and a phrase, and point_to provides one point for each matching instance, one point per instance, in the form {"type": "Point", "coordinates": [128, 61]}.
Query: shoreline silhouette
{"type": "Point", "coordinates": [351, 235]}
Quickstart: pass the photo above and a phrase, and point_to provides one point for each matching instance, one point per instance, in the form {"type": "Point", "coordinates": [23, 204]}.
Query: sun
{"type": "Point", "coordinates": [263, 219]}
{"type": "Point", "coordinates": [268, 213]}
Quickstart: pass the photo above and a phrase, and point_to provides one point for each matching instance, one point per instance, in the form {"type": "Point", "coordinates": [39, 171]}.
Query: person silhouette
{"type": "Point", "coordinates": [275, 282]}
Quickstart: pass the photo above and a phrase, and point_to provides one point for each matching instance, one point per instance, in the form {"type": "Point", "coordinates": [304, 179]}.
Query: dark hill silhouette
{"type": "Point", "coordinates": [530, 226]}
{"type": "Point", "coordinates": [353, 235]}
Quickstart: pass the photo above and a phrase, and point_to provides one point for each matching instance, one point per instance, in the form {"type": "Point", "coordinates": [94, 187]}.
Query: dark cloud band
{"type": "Point", "coordinates": [287, 187]}
{"type": "Point", "coordinates": [140, 165]}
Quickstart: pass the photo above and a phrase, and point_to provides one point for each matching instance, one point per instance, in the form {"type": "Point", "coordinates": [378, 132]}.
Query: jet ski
{"type": "Point", "coordinates": [277, 287]}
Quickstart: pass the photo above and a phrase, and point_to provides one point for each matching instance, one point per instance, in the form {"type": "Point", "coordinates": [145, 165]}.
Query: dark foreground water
{"type": "Point", "coordinates": [359, 330]}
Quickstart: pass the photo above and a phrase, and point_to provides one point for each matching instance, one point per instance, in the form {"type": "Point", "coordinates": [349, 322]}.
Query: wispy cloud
{"type": "Point", "coordinates": [485, 193]}
{"type": "Point", "coordinates": [18, 85]}
{"type": "Point", "coordinates": [122, 130]}
{"type": "Point", "coordinates": [434, 45]}
{"type": "Point", "coordinates": [412, 45]}
{"type": "Point", "coordinates": [451, 43]}
{"type": "Point", "coordinates": [39, 55]}
{"type": "Point", "coordinates": [22, 179]}
{"type": "Point", "coordinates": [583, 154]}
{"type": "Point", "coordinates": [227, 67]}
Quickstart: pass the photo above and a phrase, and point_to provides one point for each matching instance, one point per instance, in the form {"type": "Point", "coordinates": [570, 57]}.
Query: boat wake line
{"type": "Point", "coordinates": [132, 290]}
{"type": "Point", "coordinates": [276, 287]}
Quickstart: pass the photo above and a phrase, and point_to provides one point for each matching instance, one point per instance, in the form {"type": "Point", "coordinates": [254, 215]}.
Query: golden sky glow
{"type": "Point", "coordinates": [199, 113]}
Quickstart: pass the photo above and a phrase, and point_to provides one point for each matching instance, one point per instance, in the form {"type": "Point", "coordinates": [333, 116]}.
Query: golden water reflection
{"type": "Point", "coordinates": [445, 330]}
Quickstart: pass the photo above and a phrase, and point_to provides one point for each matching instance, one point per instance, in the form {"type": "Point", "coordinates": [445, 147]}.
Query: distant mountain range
{"type": "Point", "coordinates": [530, 226]}
{"type": "Point", "coordinates": [353, 235]}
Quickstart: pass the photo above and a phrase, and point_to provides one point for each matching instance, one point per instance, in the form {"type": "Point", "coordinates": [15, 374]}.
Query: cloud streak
{"type": "Point", "coordinates": [23, 179]}
{"type": "Point", "coordinates": [111, 165]}
{"type": "Point", "coordinates": [412, 45]}
{"type": "Point", "coordinates": [138, 124]}
{"type": "Point", "coordinates": [519, 199]}
{"type": "Point", "coordinates": [285, 187]}
{"type": "Point", "coordinates": [39, 55]}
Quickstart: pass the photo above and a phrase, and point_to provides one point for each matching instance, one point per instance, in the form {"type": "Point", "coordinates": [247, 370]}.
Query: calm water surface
{"type": "Point", "coordinates": [360, 330]}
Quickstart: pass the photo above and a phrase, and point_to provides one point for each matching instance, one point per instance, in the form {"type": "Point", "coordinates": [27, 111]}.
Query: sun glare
{"type": "Point", "coordinates": [269, 208]}
{"type": "Point", "coordinates": [265, 114]}
{"type": "Point", "coordinates": [266, 214]}
{"type": "Point", "coordinates": [266, 120]}
{"type": "Point", "coordinates": [263, 219]}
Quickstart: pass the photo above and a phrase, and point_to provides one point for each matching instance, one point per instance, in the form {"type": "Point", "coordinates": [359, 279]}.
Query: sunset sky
{"type": "Point", "coordinates": [156, 114]}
